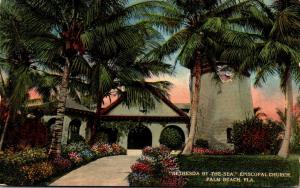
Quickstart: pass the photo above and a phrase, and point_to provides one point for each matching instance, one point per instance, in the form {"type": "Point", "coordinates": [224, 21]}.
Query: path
{"type": "Point", "coordinates": [107, 171]}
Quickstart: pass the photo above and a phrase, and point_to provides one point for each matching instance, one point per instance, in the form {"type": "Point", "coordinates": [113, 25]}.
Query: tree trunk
{"type": "Point", "coordinates": [97, 118]}
{"type": "Point", "coordinates": [55, 148]}
{"type": "Point", "coordinates": [194, 106]}
{"type": "Point", "coordinates": [284, 149]}
{"type": "Point", "coordinates": [4, 132]}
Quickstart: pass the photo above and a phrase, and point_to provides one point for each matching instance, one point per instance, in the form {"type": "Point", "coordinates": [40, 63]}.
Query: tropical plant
{"type": "Point", "coordinates": [172, 138]}
{"type": "Point", "coordinates": [196, 29]}
{"type": "Point", "coordinates": [18, 73]}
{"type": "Point", "coordinates": [74, 32]}
{"type": "Point", "coordinates": [271, 46]}
{"type": "Point", "coordinates": [255, 136]}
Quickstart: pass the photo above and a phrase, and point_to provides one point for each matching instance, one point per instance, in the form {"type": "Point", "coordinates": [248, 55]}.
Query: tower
{"type": "Point", "coordinates": [221, 103]}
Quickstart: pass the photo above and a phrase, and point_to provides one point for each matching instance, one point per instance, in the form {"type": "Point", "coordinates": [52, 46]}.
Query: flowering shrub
{"type": "Point", "coordinates": [155, 168]}
{"type": "Point", "coordinates": [75, 157]}
{"type": "Point", "coordinates": [32, 165]}
{"type": "Point", "coordinates": [107, 149]}
{"type": "Point", "coordinates": [205, 151]}
{"type": "Point", "coordinates": [61, 164]}
{"type": "Point", "coordinates": [75, 147]}
{"type": "Point", "coordinates": [255, 136]}
{"type": "Point", "coordinates": [37, 172]}
{"type": "Point", "coordinates": [87, 155]}
{"type": "Point", "coordinates": [141, 167]}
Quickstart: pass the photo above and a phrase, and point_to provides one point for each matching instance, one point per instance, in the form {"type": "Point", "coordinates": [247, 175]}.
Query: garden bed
{"type": "Point", "coordinates": [32, 166]}
{"type": "Point", "coordinates": [237, 170]}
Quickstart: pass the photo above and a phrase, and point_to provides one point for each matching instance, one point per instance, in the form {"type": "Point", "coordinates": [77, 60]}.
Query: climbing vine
{"type": "Point", "coordinates": [122, 127]}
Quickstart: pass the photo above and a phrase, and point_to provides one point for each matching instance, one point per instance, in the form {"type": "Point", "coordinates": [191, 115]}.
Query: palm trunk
{"type": "Point", "coordinates": [55, 148]}
{"type": "Point", "coordinates": [194, 106]}
{"type": "Point", "coordinates": [4, 132]}
{"type": "Point", "coordinates": [284, 149]}
{"type": "Point", "coordinates": [96, 119]}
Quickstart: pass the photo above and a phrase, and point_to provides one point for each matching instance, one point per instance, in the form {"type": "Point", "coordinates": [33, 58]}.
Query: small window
{"type": "Point", "coordinates": [229, 135]}
{"type": "Point", "coordinates": [143, 109]}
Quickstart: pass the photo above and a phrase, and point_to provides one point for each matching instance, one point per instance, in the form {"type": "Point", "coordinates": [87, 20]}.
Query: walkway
{"type": "Point", "coordinates": [107, 171]}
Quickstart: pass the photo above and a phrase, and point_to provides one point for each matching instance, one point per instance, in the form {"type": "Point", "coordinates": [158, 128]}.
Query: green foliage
{"type": "Point", "coordinates": [240, 163]}
{"type": "Point", "coordinates": [20, 167]}
{"type": "Point", "coordinates": [254, 136]}
{"type": "Point", "coordinates": [172, 138]}
{"type": "Point", "coordinates": [76, 139]}
{"type": "Point", "coordinates": [74, 147]}
{"type": "Point", "coordinates": [201, 143]}
{"type": "Point", "coordinates": [122, 127]}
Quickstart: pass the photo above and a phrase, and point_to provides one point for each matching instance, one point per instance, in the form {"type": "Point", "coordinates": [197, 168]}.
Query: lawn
{"type": "Point", "coordinates": [240, 170]}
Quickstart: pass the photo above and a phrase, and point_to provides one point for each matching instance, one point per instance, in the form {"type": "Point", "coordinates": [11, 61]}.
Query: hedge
{"type": "Point", "coordinates": [222, 171]}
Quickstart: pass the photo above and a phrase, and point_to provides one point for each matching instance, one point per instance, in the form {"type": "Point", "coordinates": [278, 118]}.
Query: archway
{"type": "Point", "coordinates": [106, 135]}
{"type": "Point", "coordinates": [74, 128]}
{"type": "Point", "coordinates": [139, 138]}
{"type": "Point", "coordinates": [172, 137]}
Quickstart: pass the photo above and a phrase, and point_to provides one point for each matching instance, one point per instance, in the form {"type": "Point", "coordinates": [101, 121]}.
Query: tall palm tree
{"type": "Point", "coordinates": [195, 27]}
{"type": "Point", "coordinates": [125, 73]}
{"type": "Point", "coordinates": [272, 48]}
{"type": "Point", "coordinates": [74, 27]}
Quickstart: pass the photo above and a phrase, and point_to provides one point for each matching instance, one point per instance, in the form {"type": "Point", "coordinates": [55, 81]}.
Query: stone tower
{"type": "Point", "coordinates": [221, 103]}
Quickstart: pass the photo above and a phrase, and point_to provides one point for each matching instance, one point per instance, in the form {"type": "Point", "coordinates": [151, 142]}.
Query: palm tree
{"type": "Point", "coordinates": [195, 27]}
{"type": "Point", "coordinates": [17, 66]}
{"type": "Point", "coordinates": [125, 73]}
{"type": "Point", "coordinates": [74, 27]}
{"type": "Point", "coordinates": [272, 48]}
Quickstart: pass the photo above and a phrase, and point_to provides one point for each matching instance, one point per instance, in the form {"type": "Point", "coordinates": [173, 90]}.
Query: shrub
{"type": "Point", "coordinates": [61, 164]}
{"type": "Point", "coordinates": [75, 147]}
{"type": "Point", "coordinates": [87, 155]}
{"type": "Point", "coordinates": [155, 168]}
{"type": "Point", "coordinates": [205, 151]}
{"type": "Point", "coordinates": [36, 172]}
{"type": "Point", "coordinates": [201, 143]}
{"type": "Point", "coordinates": [102, 149]}
{"type": "Point", "coordinates": [253, 136]}
{"type": "Point", "coordinates": [172, 138]}
{"type": "Point", "coordinates": [76, 139]}
{"type": "Point", "coordinates": [27, 156]}
{"type": "Point", "coordinates": [75, 157]}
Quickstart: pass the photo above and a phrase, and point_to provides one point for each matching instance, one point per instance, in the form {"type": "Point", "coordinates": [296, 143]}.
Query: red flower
{"type": "Point", "coordinates": [141, 167]}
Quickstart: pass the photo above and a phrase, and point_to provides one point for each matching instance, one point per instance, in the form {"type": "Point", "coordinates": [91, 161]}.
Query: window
{"type": "Point", "coordinates": [143, 109]}
{"type": "Point", "coordinates": [229, 135]}
{"type": "Point", "coordinates": [74, 129]}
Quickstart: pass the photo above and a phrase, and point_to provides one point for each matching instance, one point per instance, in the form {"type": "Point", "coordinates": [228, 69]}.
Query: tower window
{"type": "Point", "coordinates": [229, 135]}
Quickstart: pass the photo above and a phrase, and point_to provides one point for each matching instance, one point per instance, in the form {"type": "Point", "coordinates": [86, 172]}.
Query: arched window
{"type": "Point", "coordinates": [74, 128]}
{"type": "Point", "coordinates": [229, 135]}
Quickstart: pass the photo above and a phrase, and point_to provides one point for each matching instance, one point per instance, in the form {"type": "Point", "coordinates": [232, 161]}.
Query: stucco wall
{"type": "Point", "coordinates": [156, 130]}
{"type": "Point", "coordinates": [220, 105]}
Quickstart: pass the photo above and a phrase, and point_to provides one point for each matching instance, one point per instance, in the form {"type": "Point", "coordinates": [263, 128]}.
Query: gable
{"type": "Point", "coordinates": [161, 109]}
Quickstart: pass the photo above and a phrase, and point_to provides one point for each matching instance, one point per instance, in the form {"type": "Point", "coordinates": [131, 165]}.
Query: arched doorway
{"type": "Point", "coordinates": [139, 138]}
{"type": "Point", "coordinates": [172, 137]}
{"type": "Point", "coordinates": [74, 128]}
{"type": "Point", "coordinates": [106, 135]}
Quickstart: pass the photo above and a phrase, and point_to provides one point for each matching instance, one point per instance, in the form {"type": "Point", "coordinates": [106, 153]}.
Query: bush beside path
{"type": "Point", "coordinates": [107, 171]}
